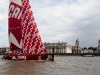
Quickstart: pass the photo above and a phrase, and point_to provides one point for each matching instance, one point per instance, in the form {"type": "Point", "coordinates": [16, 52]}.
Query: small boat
{"type": "Point", "coordinates": [87, 55]}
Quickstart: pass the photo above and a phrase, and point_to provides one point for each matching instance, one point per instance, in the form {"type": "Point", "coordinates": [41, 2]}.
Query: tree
{"type": "Point", "coordinates": [90, 48]}
{"type": "Point", "coordinates": [94, 49]}
{"type": "Point", "coordinates": [85, 48]}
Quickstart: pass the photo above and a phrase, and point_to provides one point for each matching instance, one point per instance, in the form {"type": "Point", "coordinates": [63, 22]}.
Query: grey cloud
{"type": "Point", "coordinates": [66, 20]}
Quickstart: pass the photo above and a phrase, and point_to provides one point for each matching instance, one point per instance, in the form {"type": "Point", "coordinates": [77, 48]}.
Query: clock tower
{"type": "Point", "coordinates": [99, 46]}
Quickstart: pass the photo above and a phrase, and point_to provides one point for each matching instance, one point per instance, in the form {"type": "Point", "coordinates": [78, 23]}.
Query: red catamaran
{"type": "Point", "coordinates": [24, 39]}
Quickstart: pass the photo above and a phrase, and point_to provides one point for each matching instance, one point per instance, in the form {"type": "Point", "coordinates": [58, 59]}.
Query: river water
{"type": "Point", "coordinates": [63, 65]}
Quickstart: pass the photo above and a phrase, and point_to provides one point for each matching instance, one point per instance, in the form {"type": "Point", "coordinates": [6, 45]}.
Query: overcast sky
{"type": "Point", "coordinates": [60, 20]}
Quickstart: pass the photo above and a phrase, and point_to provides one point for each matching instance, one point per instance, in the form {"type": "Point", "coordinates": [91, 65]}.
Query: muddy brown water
{"type": "Point", "coordinates": [63, 65]}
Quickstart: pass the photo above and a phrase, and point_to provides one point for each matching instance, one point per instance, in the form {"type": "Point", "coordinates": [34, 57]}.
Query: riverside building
{"type": "Point", "coordinates": [77, 48]}
{"type": "Point", "coordinates": [98, 48]}
{"type": "Point", "coordinates": [63, 47]}
{"type": "Point", "coordinates": [60, 47]}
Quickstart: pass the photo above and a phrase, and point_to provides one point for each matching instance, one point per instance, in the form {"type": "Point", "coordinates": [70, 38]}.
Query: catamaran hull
{"type": "Point", "coordinates": [49, 57]}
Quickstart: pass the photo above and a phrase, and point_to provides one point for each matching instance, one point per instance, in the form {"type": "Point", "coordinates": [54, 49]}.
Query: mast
{"type": "Point", "coordinates": [23, 31]}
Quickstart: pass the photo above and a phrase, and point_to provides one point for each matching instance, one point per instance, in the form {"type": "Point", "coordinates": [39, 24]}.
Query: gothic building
{"type": "Point", "coordinates": [77, 48]}
{"type": "Point", "coordinates": [60, 47]}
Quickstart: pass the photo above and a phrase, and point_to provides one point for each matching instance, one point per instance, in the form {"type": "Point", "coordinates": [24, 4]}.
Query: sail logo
{"type": "Point", "coordinates": [15, 11]}
{"type": "Point", "coordinates": [21, 57]}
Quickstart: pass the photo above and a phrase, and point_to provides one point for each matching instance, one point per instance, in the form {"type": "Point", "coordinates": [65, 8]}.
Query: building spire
{"type": "Point", "coordinates": [77, 40]}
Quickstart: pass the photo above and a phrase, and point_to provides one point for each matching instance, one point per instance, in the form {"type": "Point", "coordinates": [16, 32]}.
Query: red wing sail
{"type": "Point", "coordinates": [23, 31]}
{"type": "Point", "coordinates": [31, 40]}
